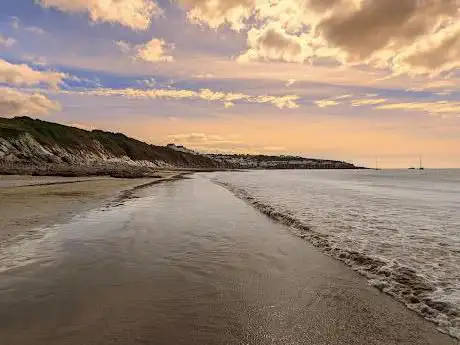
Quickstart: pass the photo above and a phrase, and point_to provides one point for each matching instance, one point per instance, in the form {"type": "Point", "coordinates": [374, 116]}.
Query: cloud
{"type": "Point", "coordinates": [152, 51]}
{"type": "Point", "coordinates": [203, 76]}
{"type": "Point", "coordinates": [436, 84]}
{"type": "Point", "coordinates": [407, 37]}
{"type": "Point", "coordinates": [221, 144]}
{"type": "Point", "coordinates": [209, 142]}
{"type": "Point", "coordinates": [274, 43]}
{"type": "Point", "coordinates": [324, 103]}
{"type": "Point", "coordinates": [441, 108]}
{"type": "Point", "coordinates": [290, 82]}
{"type": "Point", "coordinates": [344, 96]}
{"type": "Point", "coordinates": [280, 102]}
{"type": "Point", "coordinates": [35, 30]}
{"type": "Point", "coordinates": [124, 46]}
{"type": "Point", "coordinates": [215, 13]}
{"type": "Point", "coordinates": [226, 98]}
{"type": "Point", "coordinates": [197, 138]}
{"type": "Point", "coordinates": [7, 41]}
{"type": "Point", "coordinates": [135, 14]}
{"type": "Point", "coordinates": [23, 75]}
{"type": "Point", "coordinates": [332, 102]}
{"type": "Point", "coordinates": [365, 102]}
{"type": "Point", "coordinates": [35, 59]}
{"type": "Point", "coordinates": [16, 24]}
{"type": "Point", "coordinates": [151, 82]}
{"type": "Point", "coordinates": [435, 54]}
{"type": "Point", "coordinates": [446, 92]}
{"type": "Point", "coordinates": [14, 103]}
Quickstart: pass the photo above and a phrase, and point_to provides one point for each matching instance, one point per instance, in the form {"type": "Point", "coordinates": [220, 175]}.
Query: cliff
{"type": "Point", "coordinates": [40, 147]}
{"type": "Point", "coordinates": [29, 146]}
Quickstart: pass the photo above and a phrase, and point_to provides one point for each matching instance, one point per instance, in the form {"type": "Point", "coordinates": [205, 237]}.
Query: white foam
{"type": "Point", "coordinates": [400, 229]}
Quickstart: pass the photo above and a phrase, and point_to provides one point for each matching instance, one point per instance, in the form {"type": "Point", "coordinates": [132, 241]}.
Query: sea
{"type": "Point", "coordinates": [399, 228]}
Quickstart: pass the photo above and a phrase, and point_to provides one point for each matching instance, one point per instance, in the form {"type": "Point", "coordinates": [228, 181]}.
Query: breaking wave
{"type": "Point", "coordinates": [401, 282]}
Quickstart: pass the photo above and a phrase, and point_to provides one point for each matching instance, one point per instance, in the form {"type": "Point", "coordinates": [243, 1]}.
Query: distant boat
{"type": "Point", "coordinates": [420, 165]}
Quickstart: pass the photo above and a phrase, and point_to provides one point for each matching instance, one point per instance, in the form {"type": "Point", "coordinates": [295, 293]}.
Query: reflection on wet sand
{"type": "Point", "coordinates": [185, 262]}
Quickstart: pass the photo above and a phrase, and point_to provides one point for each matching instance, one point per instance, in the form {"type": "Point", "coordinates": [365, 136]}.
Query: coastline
{"type": "Point", "coordinates": [215, 270]}
{"type": "Point", "coordinates": [403, 281]}
{"type": "Point", "coordinates": [28, 203]}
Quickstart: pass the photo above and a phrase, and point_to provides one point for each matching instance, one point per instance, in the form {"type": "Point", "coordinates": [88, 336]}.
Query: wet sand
{"type": "Point", "coordinates": [31, 202]}
{"type": "Point", "coordinates": [186, 262]}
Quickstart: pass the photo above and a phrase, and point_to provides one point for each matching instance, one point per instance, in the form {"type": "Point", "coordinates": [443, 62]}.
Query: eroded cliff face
{"type": "Point", "coordinates": [41, 147]}
{"type": "Point", "coordinates": [25, 149]}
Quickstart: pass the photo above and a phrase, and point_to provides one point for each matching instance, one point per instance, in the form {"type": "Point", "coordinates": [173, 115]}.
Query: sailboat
{"type": "Point", "coordinates": [420, 165]}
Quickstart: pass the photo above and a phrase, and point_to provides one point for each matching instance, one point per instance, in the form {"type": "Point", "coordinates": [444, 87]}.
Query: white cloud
{"type": "Point", "coordinates": [135, 14]}
{"type": "Point", "coordinates": [153, 51]}
{"type": "Point", "coordinates": [15, 103]}
{"type": "Point", "coordinates": [21, 75]}
{"type": "Point", "coordinates": [226, 98]}
{"type": "Point", "coordinates": [7, 41]}
{"type": "Point", "coordinates": [344, 96]}
{"type": "Point", "coordinates": [364, 102]}
{"type": "Point", "coordinates": [281, 102]}
{"type": "Point", "coordinates": [324, 103]}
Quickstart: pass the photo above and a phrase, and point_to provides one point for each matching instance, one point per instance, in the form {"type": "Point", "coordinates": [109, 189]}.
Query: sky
{"type": "Point", "coordinates": [354, 80]}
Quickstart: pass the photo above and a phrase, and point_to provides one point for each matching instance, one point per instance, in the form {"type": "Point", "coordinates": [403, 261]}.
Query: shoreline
{"type": "Point", "coordinates": [209, 264]}
{"type": "Point", "coordinates": [29, 203]}
{"type": "Point", "coordinates": [404, 285]}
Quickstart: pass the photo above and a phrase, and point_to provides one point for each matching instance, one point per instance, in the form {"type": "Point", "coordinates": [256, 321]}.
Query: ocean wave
{"type": "Point", "coordinates": [390, 277]}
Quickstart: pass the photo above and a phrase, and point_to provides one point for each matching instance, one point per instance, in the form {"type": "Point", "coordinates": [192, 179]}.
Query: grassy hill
{"type": "Point", "coordinates": [34, 142]}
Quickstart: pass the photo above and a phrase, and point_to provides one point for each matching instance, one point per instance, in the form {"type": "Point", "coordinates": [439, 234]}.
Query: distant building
{"type": "Point", "coordinates": [180, 148]}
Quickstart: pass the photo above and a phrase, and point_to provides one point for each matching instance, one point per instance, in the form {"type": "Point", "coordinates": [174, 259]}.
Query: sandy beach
{"type": "Point", "coordinates": [183, 262]}
{"type": "Point", "coordinates": [30, 202]}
